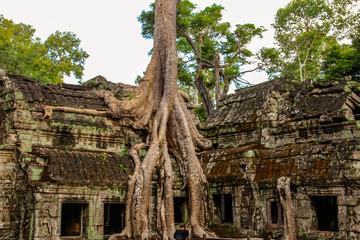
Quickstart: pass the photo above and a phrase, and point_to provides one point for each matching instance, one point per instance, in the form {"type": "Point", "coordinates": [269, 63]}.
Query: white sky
{"type": "Point", "coordinates": [111, 35]}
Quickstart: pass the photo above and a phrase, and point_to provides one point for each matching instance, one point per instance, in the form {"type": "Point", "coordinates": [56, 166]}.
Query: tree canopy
{"type": "Point", "coordinates": [48, 62]}
{"type": "Point", "coordinates": [211, 53]}
{"type": "Point", "coordinates": [303, 31]}
{"type": "Point", "coordinates": [342, 60]}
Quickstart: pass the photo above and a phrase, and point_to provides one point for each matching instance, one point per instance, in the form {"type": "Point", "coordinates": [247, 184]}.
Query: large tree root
{"type": "Point", "coordinates": [283, 187]}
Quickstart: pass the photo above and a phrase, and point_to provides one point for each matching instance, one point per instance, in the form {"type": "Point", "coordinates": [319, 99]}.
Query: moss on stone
{"type": "Point", "coordinates": [8, 97]}
{"type": "Point", "coordinates": [32, 220]}
{"type": "Point", "coordinates": [347, 134]}
{"type": "Point", "coordinates": [142, 153]}
{"type": "Point", "coordinates": [26, 142]}
{"type": "Point", "coordinates": [250, 154]}
{"type": "Point", "coordinates": [19, 96]}
{"type": "Point", "coordinates": [228, 145]}
{"type": "Point", "coordinates": [79, 129]}
{"type": "Point", "coordinates": [4, 146]}
{"type": "Point", "coordinates": [123, 151]}
{"type": "Point", "coordinates": [36, 173]}
{"type": "Point", "coordinates": [90, 231]}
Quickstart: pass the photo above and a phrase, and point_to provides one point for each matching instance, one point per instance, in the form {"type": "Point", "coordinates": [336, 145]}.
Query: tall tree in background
{"type": "Point", "coordinates": [341, 60]}
{"type": "Point", "coordinates": [48, 62]}
{"type": "Point", "coordinates": [210, 53]}
{"type": "Point", "coordinates": [302, 31]}
{"type": "Point", "coordinates": [230, 54]}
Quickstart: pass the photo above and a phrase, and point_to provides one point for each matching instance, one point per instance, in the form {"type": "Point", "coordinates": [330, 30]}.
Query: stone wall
{"type": "Point", "coordinates": [66, 158]}
{"type": "Point", "coordinates": [348, 205]}
{"type": "Point", "coordinates": [309, 133]}
{"type": "Point", "coordinates": [48, 205]}
{"type": "Point", "coordinates": [8, 168]}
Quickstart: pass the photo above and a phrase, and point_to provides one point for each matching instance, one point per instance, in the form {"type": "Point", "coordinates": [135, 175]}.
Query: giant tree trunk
{"type": "Point", "coordinates": [159, 108]}
{"type": "Point", "coordinates": [283, 187]}
{"type": "Point", "coordinates": [217, 77]}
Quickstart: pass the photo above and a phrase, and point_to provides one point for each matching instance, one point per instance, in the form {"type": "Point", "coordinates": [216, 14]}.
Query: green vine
{"type": "Point", "coordinates": [124, 169]}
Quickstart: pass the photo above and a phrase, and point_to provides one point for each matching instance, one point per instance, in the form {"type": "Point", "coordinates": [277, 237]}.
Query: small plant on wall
{"type": "Point", "coordinates": [122, 168]}
{"type": "Point", "coordinates": [103, 156]}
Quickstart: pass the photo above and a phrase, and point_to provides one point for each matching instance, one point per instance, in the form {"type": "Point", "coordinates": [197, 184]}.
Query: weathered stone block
{"type": "Point", "coordinates": [303, 209]}
{"type": "Point", "coordinates": [303, 225]}
{"type": "Point", "coordinates": [4, 217]}
{"type": "Point", "coordinates": [355, 155]}
{"type": "Point", "coordinates": [347, 201]}
{"type": "Point", "coordinates": [342, 217]}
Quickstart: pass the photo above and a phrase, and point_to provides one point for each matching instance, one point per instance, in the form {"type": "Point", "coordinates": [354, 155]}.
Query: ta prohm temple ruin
{"type": "Point", "coordinates": [64, 175]}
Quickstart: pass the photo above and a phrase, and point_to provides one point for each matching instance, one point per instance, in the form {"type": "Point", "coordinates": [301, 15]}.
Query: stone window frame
{"type": "Point", "coordinates": [186, 205]}
{"type": "Point", "coordinates": [219, 189]}
{"type": "Point", "coordinates": [310, 191]}
{"type": "Point", "coordinates": [84, 218]}
{"type": "Point", "coordinates": [102, 213]}
{"type": "Point", "coordinates": [280, 213]}
{"type": "Point", "coordinates": [223, 190]}
{"type": "Point", "coordinates": [314, 211]}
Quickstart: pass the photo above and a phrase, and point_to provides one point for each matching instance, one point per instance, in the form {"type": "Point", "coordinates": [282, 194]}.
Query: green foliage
{"type": "Point", "coordinates": [209, 36]}
{"type": "Point", "coordinates": [185, 76]}
{"type": "Point", "coordinates": [147, 20]}
{"type": "Point", "coordinates": [345, 20]}
{"type": "Point", "coordinates": [272, 61]}
{"type": "Point", "coordinates": [103, 156]}
{"type": "Point", "coordinates": [303, 30]}
{"type": "Point", "coordinates": [142, 153]}
{"type": "Point", "coordinates": [124, 169]}
{"type": "Point", "coordinates": [200, 113]}
{"type": "Point", "coordinates": [48, 62]}
{"type": "Point", "coordinates": [247, 32]}
{"type": "Point", "coordinates": [138, 79]}
{"type": "Point", "coordinates": [131, 96]}
{"type": "Point", "coordinates": [65, 53]}
{"type": "Point", "coordinates": [341, 60]}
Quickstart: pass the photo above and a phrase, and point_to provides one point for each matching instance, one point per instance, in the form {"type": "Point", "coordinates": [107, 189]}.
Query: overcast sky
{"type": "Point", "coordinates": [111, 35]}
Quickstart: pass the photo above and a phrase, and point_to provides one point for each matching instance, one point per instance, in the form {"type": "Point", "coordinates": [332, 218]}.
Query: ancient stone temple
{"type": "Point", "coordinates": [309, 133]}
{"type": "Point", "coordinates": [60, 176]}
{"type": "Point", "coordinates": [64, 175]}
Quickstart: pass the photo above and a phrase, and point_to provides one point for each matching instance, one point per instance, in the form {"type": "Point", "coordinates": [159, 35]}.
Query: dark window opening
{"type": "Point", "coordinates": [356, 113]}
{"type": "Point", "coordinates": [275, 213]}
{"type": "Point", "coordinates": [223, 207]}
{"type": "Point", "coordinates": [181, 209]}
{"type": "Point", "coordinates": [73, 219]}
{"type": "Point", "coordinates": [114, 218]}
{"type": "Point", "coordinates": [326, 209]}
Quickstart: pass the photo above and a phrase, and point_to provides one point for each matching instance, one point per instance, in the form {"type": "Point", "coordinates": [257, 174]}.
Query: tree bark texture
{"type": "Point", "coordinates": [283, 187]}
{"type": "Point", "coordinates": [159, 108]}
{"type": "Point", "coordinates": [217, 77]}
{"type": "Point", "coordinates": [196, 97]}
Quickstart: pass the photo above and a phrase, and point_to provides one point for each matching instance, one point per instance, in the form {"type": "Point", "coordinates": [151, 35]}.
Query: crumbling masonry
{"type": "Point", "coordinates": [64, 176]}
